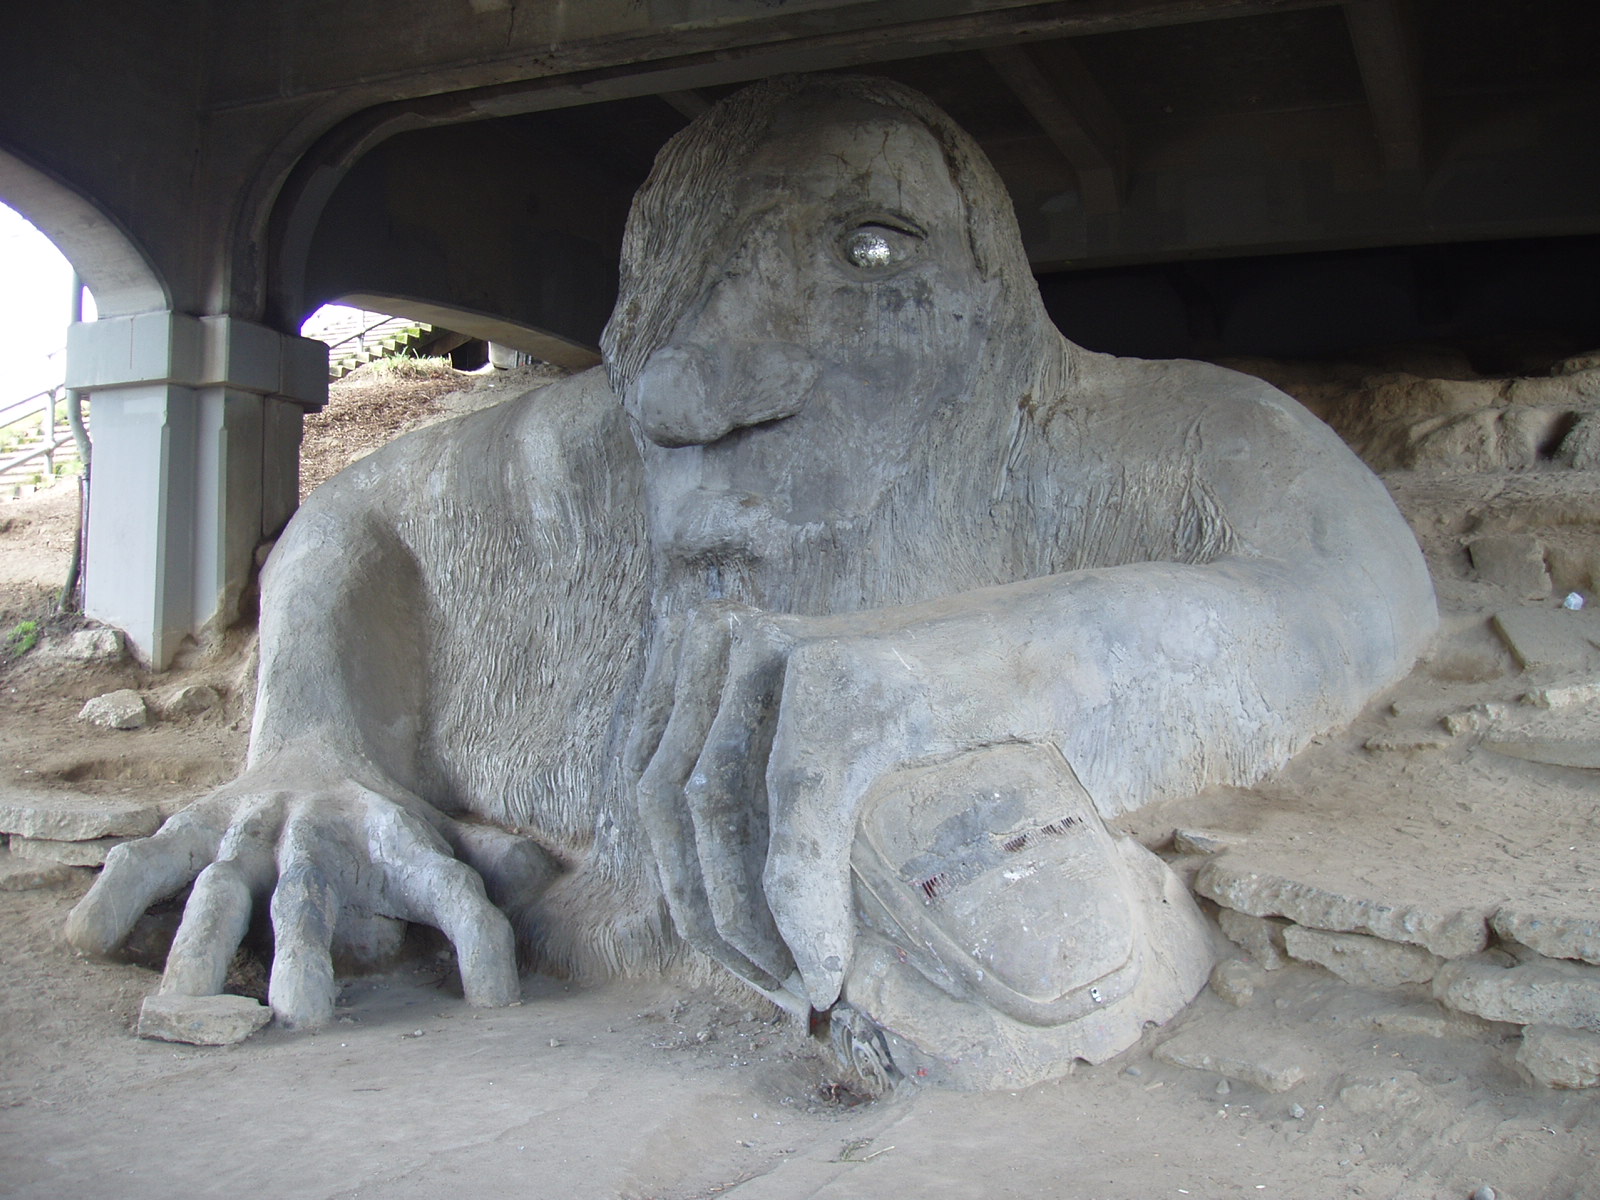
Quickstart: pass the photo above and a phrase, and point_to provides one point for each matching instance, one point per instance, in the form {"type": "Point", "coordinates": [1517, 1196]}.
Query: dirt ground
{"type": "Point", "coordinates": [638, 1091]}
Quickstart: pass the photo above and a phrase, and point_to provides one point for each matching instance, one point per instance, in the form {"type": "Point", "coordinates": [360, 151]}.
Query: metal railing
{"type": "Point", "coordinates": [360, 336]}
{"type": "Point", "coordinates": [378, 338]}
{"type": "Point", "coordinates": [53, 429]}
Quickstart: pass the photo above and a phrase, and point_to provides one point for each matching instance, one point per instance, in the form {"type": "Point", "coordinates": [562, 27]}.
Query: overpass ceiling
{"type": "Point", "coordinates": [1263, 128]}
{"type": "Point", "coordinates": [1128, 132]}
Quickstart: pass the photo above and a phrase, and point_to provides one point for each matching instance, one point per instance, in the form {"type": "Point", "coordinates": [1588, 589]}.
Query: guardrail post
{"type": "Point", "coordinates": [50, 432]}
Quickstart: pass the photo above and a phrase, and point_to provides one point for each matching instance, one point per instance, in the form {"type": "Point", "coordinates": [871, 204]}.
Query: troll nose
{"type": "Point", "coordinates": [689, 395]}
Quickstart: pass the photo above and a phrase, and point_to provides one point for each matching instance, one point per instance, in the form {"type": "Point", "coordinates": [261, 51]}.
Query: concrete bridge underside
{"type": "Point", "coordinates": [1195, 173]}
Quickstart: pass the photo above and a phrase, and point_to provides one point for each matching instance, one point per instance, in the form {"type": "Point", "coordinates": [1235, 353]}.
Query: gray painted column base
{"type": "Point", "coordinates": [197, 436]}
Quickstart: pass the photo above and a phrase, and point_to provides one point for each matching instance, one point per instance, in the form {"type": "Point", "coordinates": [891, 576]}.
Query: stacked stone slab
{"type": "Point", "coordinates": [50, 830]}
{"type": "Point", "coordinates": [52, 838]}
{"type": "Point", "coordinates": [1522, 557]}
{"type": "Point", "coordinates": [1536, 967]}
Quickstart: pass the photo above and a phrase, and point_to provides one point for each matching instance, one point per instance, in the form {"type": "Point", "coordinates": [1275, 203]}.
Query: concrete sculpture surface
{"type": "Point", "coordinates": [813, 640]}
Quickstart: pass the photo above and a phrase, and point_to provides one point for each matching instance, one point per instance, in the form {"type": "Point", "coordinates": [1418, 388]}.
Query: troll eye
{"type": "Point", "coordinates": [874, 246]}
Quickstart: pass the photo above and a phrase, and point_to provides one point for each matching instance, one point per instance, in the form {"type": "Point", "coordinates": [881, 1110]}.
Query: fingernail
{"type": "Point", "coordinates": [823, 979]}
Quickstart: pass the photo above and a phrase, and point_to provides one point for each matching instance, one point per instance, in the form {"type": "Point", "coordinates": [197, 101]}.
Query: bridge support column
{"type": "Point", "coordinates": [196, 427]}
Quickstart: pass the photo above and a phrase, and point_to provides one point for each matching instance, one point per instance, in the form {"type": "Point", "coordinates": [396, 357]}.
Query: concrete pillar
{"type": "Point", "coordinates": [196, 427]}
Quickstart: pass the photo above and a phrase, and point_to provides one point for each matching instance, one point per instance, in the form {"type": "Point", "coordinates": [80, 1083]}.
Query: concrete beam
{"type": "Point", "coordinates": [656, 64]}
{"type": "Point", "coordinates": [519, 242]}
{"type": "Point", "coordinates": [1076, 116]}
{"type": "Point", "coordinates": [607, 39]}
{"type": "Point", "coordinates": [1389, 74]}
{"type": "Point", "coordinates": [688, 103]}
{"type": "Point", "coordinates": [541, 344]}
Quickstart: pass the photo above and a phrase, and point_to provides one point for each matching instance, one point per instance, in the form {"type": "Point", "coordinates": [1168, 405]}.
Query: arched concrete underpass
{"type": "Point", "coordinates": [196, 426]}
{"type": "Point", "coordinates": [244, 150]}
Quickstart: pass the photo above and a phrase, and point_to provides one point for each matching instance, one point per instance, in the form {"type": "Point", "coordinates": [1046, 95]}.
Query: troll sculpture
{"type": "Point", "coordinates": [811, 642]}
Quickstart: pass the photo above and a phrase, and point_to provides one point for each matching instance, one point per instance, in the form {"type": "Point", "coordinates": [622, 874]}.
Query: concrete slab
{"type": "Point", "coordinates": [1561, 1058]}
{"type": "Point", "coordinates": [1419, 852]}
{"type": "Point", "coordinates": [90, 853]}
{"type": "Point", "coordinates": [1559, 726]}
{"type": "Point", "coordinates": [1425, 1020]}
{"type": "Point", "coordinates": [1359, 959]}
{"type": "Point", "coordinates": [1538, 992]}
{"type": "Point", "coordinates": [201, 1020]}
{"type": "Point", "coordinates": [20, 875]}
{"type": "Point", "coordinates": [1551, 639]}
{"type": "Point", "coordinates": [1232, 1052]}
{"type": "Point", "coordinates": [1259, 937]}
{"type": "Point", "coordinates": [1514, 561]}
{"type": "Point", "coordinates": [1573, 695]}
{"type": "Point", "coordinates": [70, 817]}
{"type": "Point", "coordinates": [1562, 927]}
{"type": "Point", "coordinates": [1555, 752]}
{"type": "Point", "coordinates": [1239, 881]}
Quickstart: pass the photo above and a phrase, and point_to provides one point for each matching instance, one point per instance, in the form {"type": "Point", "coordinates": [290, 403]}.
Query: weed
{"type": "Point", "coordinates": [24, 636]}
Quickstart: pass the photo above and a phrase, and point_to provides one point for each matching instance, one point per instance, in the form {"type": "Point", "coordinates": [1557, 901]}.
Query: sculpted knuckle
{"type": "Point", "coordinates": [120, 856]}
{"type": "Point", "coordinates": [847, 679]}
{"type": "Point", "coordinates": [827, 663]}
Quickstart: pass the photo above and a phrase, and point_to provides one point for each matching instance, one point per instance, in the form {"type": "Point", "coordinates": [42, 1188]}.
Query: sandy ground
{"type": "Point", "coordinates": [631, 1091]}
{"type": "Point", "coordinates": [635, 1090]}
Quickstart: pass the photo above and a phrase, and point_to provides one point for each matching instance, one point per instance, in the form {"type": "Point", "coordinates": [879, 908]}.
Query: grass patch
{"type": "Point", "coordinates": [407, 367]}
{"type": "Point", "coordinates": [24, 636]}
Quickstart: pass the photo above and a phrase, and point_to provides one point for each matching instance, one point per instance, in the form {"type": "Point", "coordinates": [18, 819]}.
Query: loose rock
{"type": "Point", "coordinates": [1539, 992]}
{"type": "Point", "coordinates": [1364, 961]}
{"type": "Point", "coordinates": [70, 818]}
{"type": "Point", "coordinates": [1450, 933]}
{"type": "Point", "coordinates": [1470, 720]}
{"type": "Point", "coordinates": [1561, 1058]}
{"type": "Point", "coordinates": [90, 853]}
{"type": "Point", "coordinates": [201, 1020]}
{"type": "Point", "coordinates": [1234, 981]}
{"type": "Point", "coordinates": [124, 709]}
{"type": "Point", "coordinates": [185, 701]}
{"type": "Point", "coordinates": [103, 645]}
{"type": "Point", "coordinates": [1406, 742]}
{"type": "Point", "coordinates": [1259, 937]}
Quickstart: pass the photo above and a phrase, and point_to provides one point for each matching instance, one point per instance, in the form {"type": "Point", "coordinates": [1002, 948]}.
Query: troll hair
{"type": "Point", "coordinates": [685, 210]}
